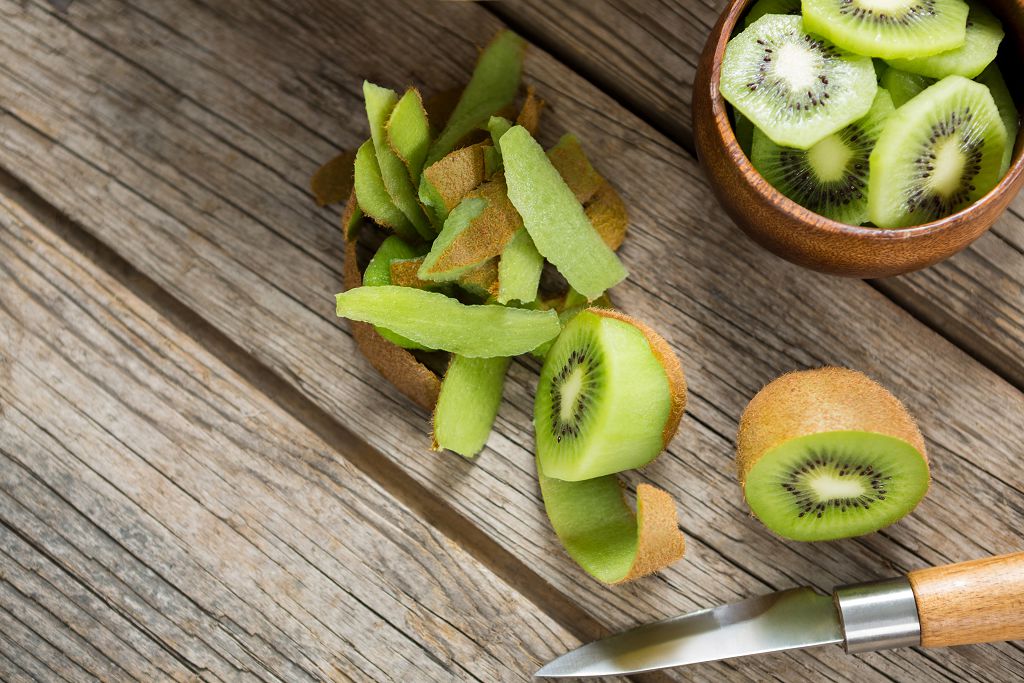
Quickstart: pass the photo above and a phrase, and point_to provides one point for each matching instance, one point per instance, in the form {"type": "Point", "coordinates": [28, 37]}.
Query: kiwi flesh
{"type": "Point", "coordinates": [938, 153]}
{"type": "Point", "coordinates": [984, 33]}
{"type": "Point", "coordinates": [436, 321]}
{"type": "Point", "coordinates": [373, 197]}
{"type": "Point", "coordinates": [468, 403]}
{"type": "Point", "coordinates": [763, 7]}
{"type": "Point", "coordinates": [993, 80]}
{"type": "Point", "coordinates": [519, 270]}
{"type": "Point", "coordinates": [408, 133]}
{"type": "Point", "coordinates": [829, 453]}
{"type": "Point", "coordinates": [904, 86]}
{"type": "Point", "coordinates": [890, 29]}
{"type": "Point", "coordinates": [555, 219]}
{"type": "Point", "coordinates": [795, 86]}
{"type": "Point", "coordinates": [830, 178]}
{"type": "Point", "coordinates": [610, 397]}
{"type": "Point", "coordinates": [378, 273]}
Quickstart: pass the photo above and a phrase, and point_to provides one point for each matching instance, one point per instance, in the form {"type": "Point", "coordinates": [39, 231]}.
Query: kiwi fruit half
{"type": "Point", "coordinates": [904, 86]}
{"type": "Point", "coordinates": [984, 33]}
{"type": "Point", "coordinates": [829, 453]}
{"type": "Point", "coordinates": [993, 79]}
{"type": "Point", "coordinates": [889, 28]}
{"type": "Point", "coordinates": [795, 86]}
{"type": "Point", "coordinates": [938, 153]}
{"type": "Point", "coordinates": [610, 397]}
{"type": "Point", "coordinates": [830, 178]}
{"type": "Point", "coordinates": [763, 7]}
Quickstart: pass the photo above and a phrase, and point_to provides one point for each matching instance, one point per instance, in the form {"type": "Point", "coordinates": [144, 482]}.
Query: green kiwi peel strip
{"type": "Point", "coordinates": [436, 266]}
{"type": "Point", "coordinates": [439, 322]}
{"type": "Point", "coordinates": [408, 133]}
{"type": "Point", "coordinates": [380, 102]}
{"type": "Point", "coordinates": [373, 197]}
{"type": "Point", "coordinates": [378, 274]}
{"type": "Point", "coordinates": [468, 403]}
{"type": "Point", "coordinates": [555, 219]}
{"type": "Point", "coordinates": [492, 87]}
{"type": "Point", "coordinates": [604, 536]}
{"type": "Point", "coordinates": [445, 182]}
{"type": "Point", "coordinates": [519, 270]}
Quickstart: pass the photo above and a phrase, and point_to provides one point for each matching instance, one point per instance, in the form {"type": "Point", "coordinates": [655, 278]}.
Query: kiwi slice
{"type": "Point", "coordinates": [444, 183]}
{"type": "Point", "coordinates": [904, 86]}
{"type": "Point", "coordinates": [744, 129]}
{"type": "Point", "coordinates": [830, 178]}
{"type": "Point", "coordinates": [492, 87]}
{"type": "Point", "coordinates": [439, 322]}
{"type": "Point", "coordinates": [519, 270]}
{"type": "Point", "coordinates": [554, 217]}
{"type": "Point", "coordinates": [380, 102]}
{"type": "Point", "coordinates": [890, 29]}
{"type": "Point", "coordinates": [610, 397]}
{"type": "Point", "coordinates": [378, 273]}
{"type": "Point", "coordinates": [984, 33]}
{"type": "Point", "coordinates": [763, 7]}
{"type": "Point", "coordinates": [408, 133]}
{"type": "Point", "coordinates": [1008, 113]}
{"type": "Point", "coordinates": [468, 403]}
{"type": "Point", "coordinates": [938, 153]}
{"type": "Point", "coordinates": [828, 453]}
{"type": "Point", "coordinates": [795, 86]}
{"type": "Point", "coordinates": [373, 197]}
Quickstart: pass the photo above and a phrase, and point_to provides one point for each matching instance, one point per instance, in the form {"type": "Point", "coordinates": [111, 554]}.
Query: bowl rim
{"type": "Point", "coordinates": [729, 19]}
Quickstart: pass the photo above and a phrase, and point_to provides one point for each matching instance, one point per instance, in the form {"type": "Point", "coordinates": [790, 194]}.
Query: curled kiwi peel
{"type": "Point", "coordinates": [529, 115]}
{"type": "Point", "coordinates": [378, 273]}
{"type": "Point", "coordinates": [352, 218]}
{"type": "Point", "coordinates": [373, 197]}
{"type": "Point", "coordinates": [333, 182]}
{"type": "Point", "coordinates": [829, 453]}
{"type": "Point", "coordinates": [607, 213]}
{"type": "Point", "coordinates": [444, 183]}
{"type": "Point", "coordinates": [555, 219]}
{"type": "Point", "coordinates": [468, 403]}
{"type": "Point", "coordinates": [519, 270]}
{"type": "Point", "coordinates": [572, 164]}
{"type": "Point", "coordinates": [408, 133]}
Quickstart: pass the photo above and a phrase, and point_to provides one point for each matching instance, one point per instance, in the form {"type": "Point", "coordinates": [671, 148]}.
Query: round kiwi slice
{"type": "Point", "coordinates": [610, 397]}
{"type": "Point", "coordinates": [993, 80]}
{"type": "Point", "coordinates": [828, 453]}
{"type": "Point", "coordinates": [889, 28]}
{"type": "Point", "coordinates": [938, 153]}
{"type": "Point", "coordinates": [984, 33]}
{"type": "Point", "coordinates": [830, 178]}
{"type": "Point", "coordinates": [795, 86]}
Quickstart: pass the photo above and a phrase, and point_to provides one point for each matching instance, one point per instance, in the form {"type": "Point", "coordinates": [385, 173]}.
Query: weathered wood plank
{"type": "Point", "coordinates": [161, 519]}
{"type": "Point", "coordinates": [166, 146]}
{"type": "Point", "coordinates": [645, 55]}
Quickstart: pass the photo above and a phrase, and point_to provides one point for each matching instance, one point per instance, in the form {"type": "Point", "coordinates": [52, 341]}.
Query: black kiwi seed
{"type": "Point", "coordinates": [807, 501]}
{"type": "Point", "coordinates": [560, 429]}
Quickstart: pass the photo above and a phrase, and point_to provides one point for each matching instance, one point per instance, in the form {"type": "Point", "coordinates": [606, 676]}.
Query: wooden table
{"type": "Point", "coordinates": [200, 477]}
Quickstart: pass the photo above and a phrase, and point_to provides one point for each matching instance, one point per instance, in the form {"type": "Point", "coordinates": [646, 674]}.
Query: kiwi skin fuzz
{"type": "Point", "coordinates": [822, 400]}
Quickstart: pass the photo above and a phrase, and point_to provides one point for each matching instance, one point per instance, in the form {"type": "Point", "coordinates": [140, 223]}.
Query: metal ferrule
{"type": "Point", "coordinates": [879, 615]}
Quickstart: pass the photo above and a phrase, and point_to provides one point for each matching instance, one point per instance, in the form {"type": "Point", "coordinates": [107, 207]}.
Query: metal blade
{"type": "Point", "coordinates": [790, 619]}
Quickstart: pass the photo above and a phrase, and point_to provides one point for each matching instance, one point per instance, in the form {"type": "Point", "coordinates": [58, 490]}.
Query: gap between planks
{"type": "Point", "coordinates": [977, 347]}
{"type": "Point", "coordinates": [382, 470]}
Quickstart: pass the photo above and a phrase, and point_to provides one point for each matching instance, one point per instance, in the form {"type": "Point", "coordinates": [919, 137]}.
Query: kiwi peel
{"type": "Point", "coordinates": [828, 453]}
{"type": "Point", "coordinates": [519, 270]}
{"type": "Point", "coordinates": [351, 218]}
{"type": "Point", "coordinates": [529, 114]}
{"type": "Point", "coordinates": [408, 133]}
{"type": "Point", "coordinates": [444, 183]}
{"type": "Point", "coordinates": [468, 404]}
{"type": "Point", "coordinates": [373, 197]}
{"type": "Point", "coordinates": [333, 182]}
{"type": "Point", "coordinates": [607, 213]}
{"type": "Point", "coordinates": [572, 164]}
{"type": "Point", "coordinates": [555, 219]}
{"type": "Point", "coordinates": [482, 281]}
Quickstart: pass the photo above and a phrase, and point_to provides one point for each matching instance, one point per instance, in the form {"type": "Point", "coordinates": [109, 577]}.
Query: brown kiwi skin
{"type": "Point", "coordinates": [669, 361]}
{"type": "Point", "coordinates": [821, 400]}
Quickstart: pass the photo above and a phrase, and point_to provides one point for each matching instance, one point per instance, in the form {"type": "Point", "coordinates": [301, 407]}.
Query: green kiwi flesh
{"type": "Point", "coordinates": [939, 152]}
{"type": "Point", "coordinates": [408, 133]}
{"type": "Point", "coordinates": [378, 273]}
{"type": "Point", "coordinates": [984, 33]}
{"type": "Point", "coordinates": [602, 402]}
{"type": "Point", "coordinates": [763, 7]}
{"type": "Point", "coordinates": [519, 270]}
{"type": "Point", "coordinates": [889, 28]}
{"type": "Point", "coordinates": [440, 322]}
{"type": "Point", "coordinates": [795, 86]}
{"type": "Point", "coordinates": [372, 196]}
{"type": "Point", "coordinates": [904, 86]}
{"type": "Point", "coordinates": [993, 79]}
{"type": "Point", "coordinates": [836, 484]}
{"type": "Point", "coordinates": [468, 403]}
{"type": "Point", "coordinates": [830, 178]}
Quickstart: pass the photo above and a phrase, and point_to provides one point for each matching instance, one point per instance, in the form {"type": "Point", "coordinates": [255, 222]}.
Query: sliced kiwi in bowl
{"type": "Point", "coordinates": [795, 86]}
{"type": "Point", "coordinates": [984, 33]}
{"type": "Point", "coordinates": [829, 453]}
{"type": "Point", "coordinates": [610, 397]}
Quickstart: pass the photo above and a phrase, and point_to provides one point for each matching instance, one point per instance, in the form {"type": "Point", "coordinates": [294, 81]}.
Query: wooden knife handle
{"type": "Point", "coordinates": [981, 601]}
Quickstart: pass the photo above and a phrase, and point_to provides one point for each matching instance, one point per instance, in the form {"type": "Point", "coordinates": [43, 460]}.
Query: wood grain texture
{"type": "Point", "coordinates": [183, 136]}
{"type": "Point", "coordinates": [646, 54]}
{"type": "Point", "coordinates": [160, 519]}
{"type": "Point", "coordinates": [979, 601]}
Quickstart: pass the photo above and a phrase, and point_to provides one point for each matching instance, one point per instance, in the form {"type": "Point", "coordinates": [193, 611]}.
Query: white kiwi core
{"type": "Point", "coordinates": [949, 167]}
{"type": "Point", "coordinates": [888, 6]}
{"type": "Point", "coordinates": [829, 158]}
{"type": "Point", "coordinates": [796, 66]}
{"type": "Point", "coordinates": [571, 389]}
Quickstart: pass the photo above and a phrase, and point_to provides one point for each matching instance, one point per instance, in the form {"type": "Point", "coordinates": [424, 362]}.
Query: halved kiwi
{"type": "Point", "coordinates": [993, 80]}
{"type": "Point", "coordinates": [795, 86]}
{"type": "Point", "coordinates": [889, 28]}
{"type": "Point", "coordinates": [830, 178]}
{"type": "Point", "coordinates": [829, 453]}
{"type": "Point", "coordinates": [984, 33]}
{"type": "Point", "coordinates": [468, 403]}
{"type": "Point", "coordinates": [610, 397]}
{"type": "Point", "coordinates": [938, 153]}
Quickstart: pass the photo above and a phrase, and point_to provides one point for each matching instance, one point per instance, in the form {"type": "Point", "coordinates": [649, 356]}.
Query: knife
{"type": "Point", "coordinates": [981, 601]}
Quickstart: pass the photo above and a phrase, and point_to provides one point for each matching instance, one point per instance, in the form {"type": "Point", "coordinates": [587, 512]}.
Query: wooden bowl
{"type": "Point", "coordinates": [803, 237]}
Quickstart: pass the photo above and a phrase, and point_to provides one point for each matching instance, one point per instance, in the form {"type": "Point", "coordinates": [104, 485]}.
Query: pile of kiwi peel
{"type": "Point", "coordinates": [829, 453]}
{"type": "Point", "coordinates": [468, 244]}
{"type": "Point", "coordinates": [805, 78]}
